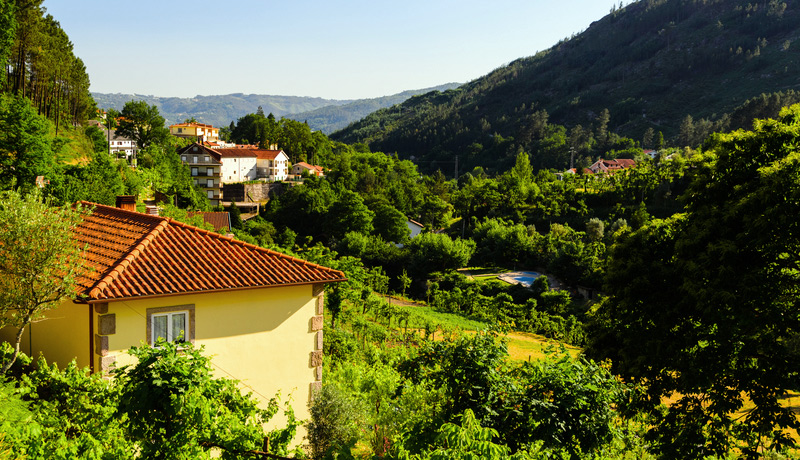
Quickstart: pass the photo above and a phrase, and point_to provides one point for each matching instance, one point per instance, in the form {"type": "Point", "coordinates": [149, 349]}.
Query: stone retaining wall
{"type": "Point", "coordinates": [251, 192]}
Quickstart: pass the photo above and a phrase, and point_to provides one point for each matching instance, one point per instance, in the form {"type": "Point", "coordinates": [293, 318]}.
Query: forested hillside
{"type": "Point", "coordinates": [671, 66]}
{"type": "Point", "coordinates": [325, 115]}
{"type": "Point", "coordinates": [334, 117]}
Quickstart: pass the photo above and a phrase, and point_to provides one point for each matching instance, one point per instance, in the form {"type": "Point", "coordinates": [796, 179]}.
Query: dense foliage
{"type": "Point", "coordinates": [166, 406]}
{"type": "Point", "coordinates": [705, 303]}
{"type": "Point", "coordinates": [679, 275]}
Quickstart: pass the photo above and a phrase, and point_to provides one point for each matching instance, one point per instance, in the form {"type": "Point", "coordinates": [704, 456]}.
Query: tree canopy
{"type": "Point", "coordinates": [142, 123]}
{"type": "Point", "coordinates": [705, 303]}
{"type": "Point", "coordinates": [39, 262]}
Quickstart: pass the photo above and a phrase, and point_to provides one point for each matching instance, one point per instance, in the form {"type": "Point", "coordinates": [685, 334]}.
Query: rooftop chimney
{"type": "Point", "coordinates": [126, 202]}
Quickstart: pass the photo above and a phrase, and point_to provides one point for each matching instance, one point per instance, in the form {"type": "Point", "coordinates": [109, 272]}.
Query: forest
{"type": "Point", "coordinates": [679, 67]}
{"type": "Point", "coordinates": [664, 322]}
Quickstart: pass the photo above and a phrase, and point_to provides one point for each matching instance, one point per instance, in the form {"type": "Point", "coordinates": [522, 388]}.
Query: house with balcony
{"type": "Point", "coordinates": [199, 132]}
{"type": "Point", "coordinates": [121, 146]}
{"type": "Point", "coordinates": [212, 167]}
{"type": "Point", "coordinates": [206, 170]}
{"type": "Point", "coordinates": [273, 164]}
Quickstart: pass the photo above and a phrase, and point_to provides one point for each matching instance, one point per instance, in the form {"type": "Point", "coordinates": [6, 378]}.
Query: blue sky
{"type": "Point", "coordinates": [346, 49]}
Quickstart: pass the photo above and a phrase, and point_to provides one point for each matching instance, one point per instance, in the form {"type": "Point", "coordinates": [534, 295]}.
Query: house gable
{"type": "Point", "coordinates": [135, 255]}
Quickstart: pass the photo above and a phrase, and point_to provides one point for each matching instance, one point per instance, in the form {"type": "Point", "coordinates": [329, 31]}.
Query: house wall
{"type": "Point", "coordinates": [269, 339]}
{"type": "Point", "coordinates": [277, 169]}
{"type": "Point", "coordinates": [281, 167]}
{"type": "Point", "coordinates": [63, 335]}
{"type": "Point", "coordinates": [238, 169]}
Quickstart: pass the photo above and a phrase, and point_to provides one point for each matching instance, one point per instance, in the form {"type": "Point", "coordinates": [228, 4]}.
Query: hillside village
{"type": "Point", "coordinates": [438, 280]}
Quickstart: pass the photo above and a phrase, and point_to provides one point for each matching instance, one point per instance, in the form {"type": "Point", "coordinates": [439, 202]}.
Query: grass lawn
{"type": "Point", "coordinates": [524, 346]}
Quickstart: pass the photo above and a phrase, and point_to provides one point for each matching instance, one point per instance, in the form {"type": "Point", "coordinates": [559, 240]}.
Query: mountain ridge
{"type": "Point", "coordinates": [219, 110]}
{"type": "Point", "coordinates": [651, 64]}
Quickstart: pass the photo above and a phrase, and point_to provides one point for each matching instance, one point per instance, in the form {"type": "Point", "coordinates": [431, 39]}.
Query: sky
{"type": "Point", "coordinates": [345, 49]}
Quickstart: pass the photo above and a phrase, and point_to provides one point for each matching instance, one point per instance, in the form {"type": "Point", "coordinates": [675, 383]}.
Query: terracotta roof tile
{"type": "Point", "coordinates": [198, 125]}
{"type": "Point", "coordinates": [235, 153]}
{"type": "Point", "coordinates": [218, 220]}
{"type": "Point", "coordinates": [264, 154]}
{"type": "Point", "coordinates": [137, 255]}
{"type": "Point", "coordinates": [305, 165]}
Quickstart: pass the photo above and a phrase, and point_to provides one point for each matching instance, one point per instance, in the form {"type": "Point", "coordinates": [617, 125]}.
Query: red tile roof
{"type": "Point", "coordinates": [611, 166]}
{"type": "Point", "coordinates": [216, 154]}
{"type": "Point", "coordinates": [309, 167]}
{"type": "Point", "coordinates": [198, 125]}
{"type": "Point", "coordinates": [267, 154]}
{"type": "Point", "coordinates": [133, 255]}
{"type": "Point", "coordinates": [218, 220]}
{"type": "Point", "coordinates": [624, 162]}
{"type": "Point", "coordinates": [235, 153]}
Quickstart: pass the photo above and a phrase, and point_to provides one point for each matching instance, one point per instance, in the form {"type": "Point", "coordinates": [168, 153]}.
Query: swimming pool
{"type": "Point", "coordinates": [524, 278]}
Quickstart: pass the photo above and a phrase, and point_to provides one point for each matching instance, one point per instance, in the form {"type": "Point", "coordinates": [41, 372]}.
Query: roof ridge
{"type": "Point", "coordinates": [92, 205]}
{"type": "Point", "coordinates": [253, 246]}
{"type": "Point", "coordinates": [123, 264]}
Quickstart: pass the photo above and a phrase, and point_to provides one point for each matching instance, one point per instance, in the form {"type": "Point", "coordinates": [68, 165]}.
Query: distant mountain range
{"type": "Point", "coordinates": [651, 63]}
{"type": "Point", "coordinates": [326, 115]}
{"type": "Point", "coordinates": [335, 117]}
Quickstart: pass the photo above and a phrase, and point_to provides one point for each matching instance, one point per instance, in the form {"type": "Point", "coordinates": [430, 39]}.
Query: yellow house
{"type": "Point", "coordinates": [257, 312]}
{"type": "Point", "coordinates": [199, 131]}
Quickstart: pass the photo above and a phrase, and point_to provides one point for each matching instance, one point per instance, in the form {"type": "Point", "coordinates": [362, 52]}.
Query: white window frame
{"type": "Point", "coordinates": [210, 194]}
{"type": "Point", "coordinates": [209, 171]}
{"type": "Point", "coordinates": [210, 183]}
{"type": "Point", "coordinates": [195, 171]}
{"type": "Point", "coordinates": [153, 313]}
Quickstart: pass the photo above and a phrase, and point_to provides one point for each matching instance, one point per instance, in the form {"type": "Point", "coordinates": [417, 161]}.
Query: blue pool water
{"type": "Point", "coordinates": [525, 278]}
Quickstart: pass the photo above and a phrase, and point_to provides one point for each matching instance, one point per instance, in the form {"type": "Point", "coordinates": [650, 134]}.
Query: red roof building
{"type": "Point", "coordinates": [611, 166]}
{"type": "Point", "coordinates": [257, 312]}
{"type": "Point", "coordinates": [313, 170]}
{"type": "Point", "coordinates": [134, 255]}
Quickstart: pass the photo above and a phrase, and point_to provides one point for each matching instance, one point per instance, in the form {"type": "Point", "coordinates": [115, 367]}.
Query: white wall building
{"type": "Point", "coordinates": [121, 146]}
{"type": "Point", "coordinates": [238, 165]}
{"type": "Point", "coordinates": [272, 164]}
